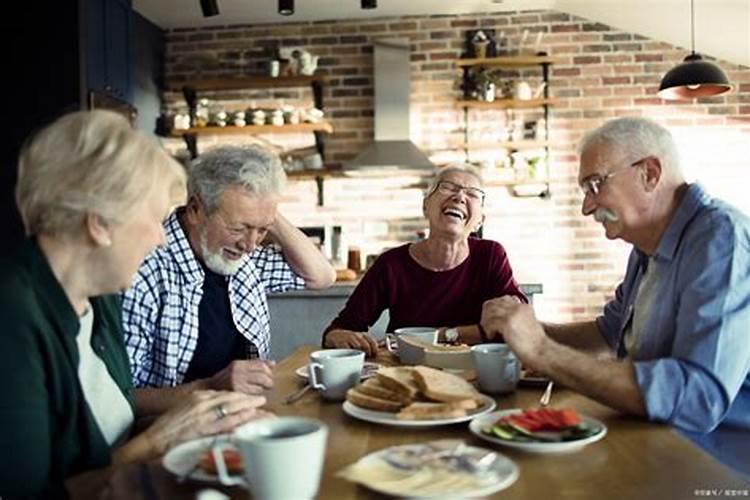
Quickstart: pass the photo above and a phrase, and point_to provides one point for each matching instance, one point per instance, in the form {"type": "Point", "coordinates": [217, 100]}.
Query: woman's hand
{"type": "Point", "coordinates": [347, 339]}
{"type": "Point", "coordinates": [203, 413]}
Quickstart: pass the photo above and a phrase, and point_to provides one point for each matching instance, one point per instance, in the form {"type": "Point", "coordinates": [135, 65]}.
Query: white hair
{"type": "Point", "coordinates": [254, 168]}
{"type": "Point", "coordinates": [90, 162]}
{"type": "Point", "coordinates": [636, 137]}
{"type": "Point", "coordinates": [453, 168]}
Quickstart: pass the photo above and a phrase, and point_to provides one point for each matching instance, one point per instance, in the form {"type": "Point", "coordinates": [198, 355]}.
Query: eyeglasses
{"type": "Point", "coordinates": [451, 188]}
{"type": "Point", "coordinates": [592, 184]}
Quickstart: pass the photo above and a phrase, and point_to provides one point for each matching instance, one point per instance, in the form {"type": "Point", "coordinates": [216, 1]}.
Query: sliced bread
{"type": "Point", "coordinates": [374, 387]}
{"type": "Point", "coordinates": [363, 400]}
{"type": "Point", "coordinates": [399, 379]}
{"type": "Point", "coordinates": [443, 386]}
{"type": "Point", "coordinates": [431, 411]}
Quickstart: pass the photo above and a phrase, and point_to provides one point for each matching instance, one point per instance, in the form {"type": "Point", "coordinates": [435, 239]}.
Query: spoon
{"type": "Point", "coordinates": [544, 400]}
{"type": "Point", "coordinates": [297, 395]}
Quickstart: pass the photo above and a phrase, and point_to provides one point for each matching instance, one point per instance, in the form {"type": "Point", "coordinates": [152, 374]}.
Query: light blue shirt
{"type": "Point", "coordinates": [693, 357]}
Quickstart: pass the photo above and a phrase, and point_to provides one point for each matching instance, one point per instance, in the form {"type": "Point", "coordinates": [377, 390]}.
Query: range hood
{"type": "Point", "coordinates": [392, 148]}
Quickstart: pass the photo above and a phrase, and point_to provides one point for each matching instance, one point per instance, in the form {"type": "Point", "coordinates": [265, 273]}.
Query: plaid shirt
{"type": "Point", "coordinates": [160, 310]}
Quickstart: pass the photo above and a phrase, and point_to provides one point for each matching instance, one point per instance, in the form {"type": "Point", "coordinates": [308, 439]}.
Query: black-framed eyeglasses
{"type": "Point", "coordinates": [592, 184]}
{"type": "Point", "coordinates": [451, 188]}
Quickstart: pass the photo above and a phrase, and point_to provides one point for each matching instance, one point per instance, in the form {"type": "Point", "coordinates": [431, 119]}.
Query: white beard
{"type": "Point", "coordinates": [217, 262]}
{"type": "Point", "coordinates": [605, 214]}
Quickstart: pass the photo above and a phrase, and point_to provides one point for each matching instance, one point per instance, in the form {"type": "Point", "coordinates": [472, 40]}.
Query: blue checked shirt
{"type": "Point", "coordinates": [160, 310]}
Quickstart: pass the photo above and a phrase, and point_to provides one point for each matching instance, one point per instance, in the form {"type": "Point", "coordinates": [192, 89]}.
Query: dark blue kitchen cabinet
{"type": "Point", "coordinates": [107, 40]}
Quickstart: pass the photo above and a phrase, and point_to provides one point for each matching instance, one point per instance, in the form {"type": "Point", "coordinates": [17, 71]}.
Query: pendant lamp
{"type": "Point", "coordinates": [286, 7]}
{"type": "Point", "coordinates": [694, 77]}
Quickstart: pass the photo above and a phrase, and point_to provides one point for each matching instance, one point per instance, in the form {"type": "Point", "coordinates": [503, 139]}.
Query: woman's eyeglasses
{"type": "Point", "coordinates": [451, 188]}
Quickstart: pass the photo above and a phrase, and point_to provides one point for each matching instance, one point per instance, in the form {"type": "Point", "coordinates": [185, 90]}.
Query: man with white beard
{"type": "Point", "coordinates": [676, 331]}
{"type": "Point", "coordinates": [197, 314]}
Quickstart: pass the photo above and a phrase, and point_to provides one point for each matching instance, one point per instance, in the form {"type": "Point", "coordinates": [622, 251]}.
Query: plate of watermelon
{"type": "Point", "coordinates": [543, 430]}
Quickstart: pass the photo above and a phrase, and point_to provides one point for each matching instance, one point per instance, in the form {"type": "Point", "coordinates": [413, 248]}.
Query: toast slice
{"type": "Point", "coordinates": [374, 387]}
{"type": "Point", "coordinates": [431, 411]}
{"type": "Point", "coordinates": [399, 379]}
{"type": "Point", "coordinates": [363, 400]}
{"type": "Point", "coordinates": [443, 386]}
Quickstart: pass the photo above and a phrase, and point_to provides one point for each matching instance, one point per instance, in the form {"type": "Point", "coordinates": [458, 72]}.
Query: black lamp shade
{"type": "Point", "coordinates": [286, 7]}
{"type": "Point", "coordinates": [209, 8]}
{"type": "Point", "coordinates": [369, 4]}
{"type": "Point", "coordinates": [693, 78]}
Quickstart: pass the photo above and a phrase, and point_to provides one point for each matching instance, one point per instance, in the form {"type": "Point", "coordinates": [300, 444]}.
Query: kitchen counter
{"type": "Point", "coordinates": [315, 309]}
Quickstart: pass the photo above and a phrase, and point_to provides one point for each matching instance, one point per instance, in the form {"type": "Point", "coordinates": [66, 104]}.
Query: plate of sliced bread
{"type": "Point", "coordinates": [415, 396]}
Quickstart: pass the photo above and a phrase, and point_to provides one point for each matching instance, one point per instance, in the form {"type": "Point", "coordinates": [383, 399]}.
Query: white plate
{"type": "Point", "coordinates": [505, 472]}
{"type": "Point", "coordinates": [487, 404]}
{"type": "Point", "coordinates": [486, 420]}
{"type": "Point", "coordinates": [184, 457]}
{"type": "Point", "coordinates": [368, 370]}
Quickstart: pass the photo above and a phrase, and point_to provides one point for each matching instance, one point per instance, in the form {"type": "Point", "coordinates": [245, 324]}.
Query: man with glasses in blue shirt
{"type": "Point", "coordinates": [679, 324]}
{"type": "Point", "coordinates": [197, 314]}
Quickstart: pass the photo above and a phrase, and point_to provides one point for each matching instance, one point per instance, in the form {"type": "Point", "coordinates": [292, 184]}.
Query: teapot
{"type": "Point", "coordinates": [308, 63]}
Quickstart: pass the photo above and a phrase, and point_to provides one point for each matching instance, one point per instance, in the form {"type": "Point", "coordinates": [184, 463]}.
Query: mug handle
{"type": "Point", "coordinates": [391, 343]}
{"type": "Point", "coordinates": [221, 466]}
{"type": "Point", "coordinates": [513, 367]}
{"type": "Point", "coordinates": [312, 369]}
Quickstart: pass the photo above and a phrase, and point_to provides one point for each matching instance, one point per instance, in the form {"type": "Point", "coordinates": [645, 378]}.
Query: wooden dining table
{"type": "Point", "coordinates": [635, 460]}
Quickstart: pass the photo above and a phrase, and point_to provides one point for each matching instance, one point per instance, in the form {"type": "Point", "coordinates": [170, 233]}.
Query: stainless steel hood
{"type": "Point", "coordinates": [392, 148]}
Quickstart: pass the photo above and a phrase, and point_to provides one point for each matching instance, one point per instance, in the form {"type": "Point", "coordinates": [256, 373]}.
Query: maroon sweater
{"type": "Point", "coordinates": [416, 296]}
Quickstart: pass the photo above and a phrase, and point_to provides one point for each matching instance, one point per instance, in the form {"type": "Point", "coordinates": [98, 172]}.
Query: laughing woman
{"type": "Point", "coordinates": [441, 281]}
{"type": "Point", "coordinates": [92, 193]}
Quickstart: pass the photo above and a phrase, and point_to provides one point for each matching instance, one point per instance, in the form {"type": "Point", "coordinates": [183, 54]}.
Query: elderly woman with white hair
{"type": "Point", "coordinates": [441, 281]}
{"type": "Point", "coordinates": [92, 193]}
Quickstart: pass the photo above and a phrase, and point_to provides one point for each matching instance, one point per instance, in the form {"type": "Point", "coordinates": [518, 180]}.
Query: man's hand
{"type": "Point", "coordinates": [347, 339]}
{"type": "Point", "coordinates": [517, 324]}
{"type": "Point", "coordinates": [246, 376]}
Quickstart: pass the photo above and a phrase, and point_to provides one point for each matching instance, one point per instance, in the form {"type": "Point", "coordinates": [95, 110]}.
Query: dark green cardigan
{"type": "Point", "coordinates": [47, 431]}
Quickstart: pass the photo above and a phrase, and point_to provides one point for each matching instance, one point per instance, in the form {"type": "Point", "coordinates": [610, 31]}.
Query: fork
{"type": "Point", "coordinates": [544, 400]}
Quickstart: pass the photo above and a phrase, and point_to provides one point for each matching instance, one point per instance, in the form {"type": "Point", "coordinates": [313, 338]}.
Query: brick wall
{"type": "Point", "coordinates": [599, 73]}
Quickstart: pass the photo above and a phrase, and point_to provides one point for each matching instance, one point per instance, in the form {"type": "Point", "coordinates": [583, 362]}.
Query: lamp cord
{"type": "Point", "coordinates": [692, 27]}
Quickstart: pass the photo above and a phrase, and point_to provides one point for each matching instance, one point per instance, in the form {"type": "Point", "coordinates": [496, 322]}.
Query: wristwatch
{"type": "Point", "coordinates": [451, 335]}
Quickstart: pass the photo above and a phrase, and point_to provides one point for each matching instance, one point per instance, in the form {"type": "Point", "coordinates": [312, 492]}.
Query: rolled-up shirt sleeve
{"type": "Point", "coordinates": [693, 389]}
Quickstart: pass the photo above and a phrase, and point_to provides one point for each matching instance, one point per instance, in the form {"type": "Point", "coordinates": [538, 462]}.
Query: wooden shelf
{"type": "Point", "coordinates": [505, 103]}
{"type": "Point", "coordinates": [509, 61]}
{"type": "Point", "coordinates": [257, 129]}
{"type": "Point", "coordinates": [248, 82]}
{"type": "Point", "coordinates": [525, 144]}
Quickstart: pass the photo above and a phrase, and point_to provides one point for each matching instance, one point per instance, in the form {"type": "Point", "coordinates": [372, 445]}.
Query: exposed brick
{"type": "Point", "coordinates": [566, 71]}
{"type": "Point", "coordinates": [464, 23]}
{"type": "Point", "coordinates": [616, 80]}
{"type": "Point", "coordinates": [627, 47]}
{"type": "Point", "coordinates": [587, 60]}
{"type": "Point", "coordinates": [442, 35]}
{"type": "Point", "coordinates": [616, 37]}
{"type": "Point", "coordinates": [353, 39]}
{"type": "Point", "coordinates": [356, 81]}
{"type": "Point", "coordinates": [564, 28]}
{"type": "Point", "coordinates": [402, 26]}
{"type": "Point", "coordinates": [597, 48]}
{"type": "Point", "coordinates": [372, 28]}
{"type": "Point", "coordinates": [648, 57]}
{"type": "Point", "coordinates": [324, 40]}
{"type": "Point", "coordinates": [555, 18]}
{"type": "Point", "coordinates": [200, 37]}
{"type": "Point", "coordinates": [595, 27]}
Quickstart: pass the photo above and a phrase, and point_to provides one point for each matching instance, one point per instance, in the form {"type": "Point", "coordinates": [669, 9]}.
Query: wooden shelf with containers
{"type": "Point", "coordinates": [541, 102]}
{"type": "Point", "coordinates": [190, 88]}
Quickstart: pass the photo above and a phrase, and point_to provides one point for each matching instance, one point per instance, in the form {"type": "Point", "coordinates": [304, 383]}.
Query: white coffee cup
{"type": "Point", "coordinates": [334, 371]}
{"type": "Point", "coordinates": [497, 368]}
{"type": "Point", "coordinates": [283, 457]}
{"type": "Point", "coordinates": [407, 353]}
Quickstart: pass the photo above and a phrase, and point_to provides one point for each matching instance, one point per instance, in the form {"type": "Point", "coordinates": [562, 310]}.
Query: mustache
{"type": "Point", "coordinates": [605, 214]}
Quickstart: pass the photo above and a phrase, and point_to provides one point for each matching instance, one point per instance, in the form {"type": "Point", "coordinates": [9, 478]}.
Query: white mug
{"type": "Point", "coordinates": [407, 353]}
{"type": "Point", "coordinates": [283, 457]}
{"type": "Point", "coordinates": [497, 368]}
{"type": "Point", "coordinates": [334, 371]}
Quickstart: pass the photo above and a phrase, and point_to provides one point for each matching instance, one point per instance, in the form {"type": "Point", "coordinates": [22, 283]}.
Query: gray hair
{"type": "Point", "coordinates": [255, 168]}
{"type": "Point", "coordinates": [637, 137]}
{"type": "Point", "coordinates": [453, 168]}
{"type": "Point", "coordinates": [90, 162]}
